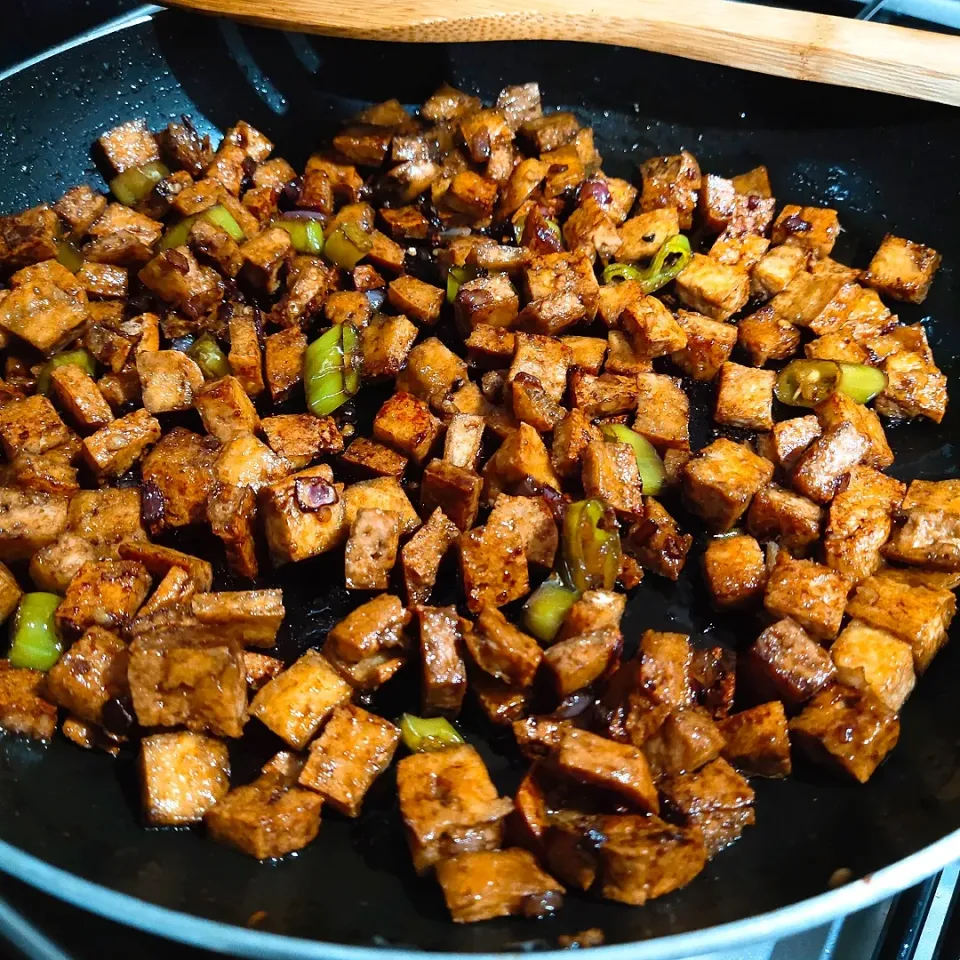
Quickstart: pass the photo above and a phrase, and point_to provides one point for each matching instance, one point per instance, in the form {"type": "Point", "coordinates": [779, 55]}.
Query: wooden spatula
{"type": "Point", "coordinates": [787, 43]}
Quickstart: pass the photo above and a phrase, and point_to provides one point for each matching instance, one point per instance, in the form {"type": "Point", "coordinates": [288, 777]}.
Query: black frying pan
{"type": "Point", "coordinates": [68, 819]}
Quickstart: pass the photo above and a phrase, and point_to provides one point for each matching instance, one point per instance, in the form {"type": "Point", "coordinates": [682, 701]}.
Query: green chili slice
{"type": "Point", "coordinates": [652, 472]}
{"type": "Point", "coordinates": [547, 608]}
{"type": "Point", "coordinates": [331, 373]}
{"type": "Point", "coordinates": [591, 545]}
{"type": "Point", "coordinates": [621, 271]}
{"type": "Point", "coordinates": [420, 735]}
{"type": "Point", "coordinates": [218, 216]}
{"type": "Point", "coordinates": [34, 638]}
{"type": "Point", "coordinates": [807, 383]}
{"type": "Point", "coordinates": [860, 382]}
{"type": "Point", "coordinates": [456, 278]}
{"type": "Point", "coordinates": [79, 358]}
{"type": "Point", "coordinates": [135, 184]}
{"type": "Point", "coordinates": [305, 235]}
{"type": "Point", "coordinates": [670, 259]}
{"type": "Point", "coordinates": [69, 256]}
{"type": "Point", "coordinates": [209, 357]}
{"type": "Point", "coordinates": [347, 245]}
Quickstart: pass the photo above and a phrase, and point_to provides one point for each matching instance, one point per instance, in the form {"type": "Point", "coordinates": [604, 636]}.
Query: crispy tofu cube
{"type": "Point", "coordinates": [43, 473]}
{"type": "Point", "coordinates": [381, 493]}
{"type": "Point", "coordinates": [594, 610]}
{"type": "Point", "coordinates": [421, 556]}
{"type": "Point", "coordinates": [663, 411]}
{"type": "Point", "coordinates": [461, 444]}
{"type": "Point", "coordinates": [927, 538]}
{"type": "Point", "coordinates": [449, 805]}
{"type": "Point", "coordinates": [78, 394]}
{"type": "Point", "coordinates": [487, 300]}
{"type": "Point", "coordinates": [491, 346]}
{"type": "Point", "coordinates": [776, 268]}
{"type": "Point", "coordinates": [284, 353]}
{"type": "Point", "coordinates": [812, 594]}
{"type": "Point", "coordinates": [353, 750]}
{"type": "Point", "coordinates": [177, 279]}
{"type": "Point", "coordinates": [103, 281]}
{"type": "Point", "coordinates": [226, 410]}
{"type": "Point", "coordinates": [765, 336]}
{"type": "Point", "coordinates": [610, 472]}
{"type": "Point", "coordinates": [846, 729]}
{"type": "Point", "coordinates": [246, 461]}
{"type": "Point", "coordinates": [545, 358]}
{"type": "Point", "coordinates": [606, 395]}
{"type": "Point", "coordinates": [384, 345]}
{"type": "Point", "coordinates": [182, 776]}
{"type": "Point", "coordinates": [822, 467]}
{"type": "Point", "coordinates": [443, 672]}
{"type": "Point", "coordinates": [742, 250]}
{"type": "Point", "coordinates": [169, 379]}
{"type": "Point", "coordinates": [642, 236]}
{"type": "Point", "coordinates": [590, 230]}
{"type": "Point", "coordinates": [550, 132]}
{"type": "Point", "coordinates": [28, 237]}
{"type": "Point", "coordinates": [578, 661]}
{"type": "Point", "coordinates": [521, 457]}
{"type": "Point", "coordinates": [709, 345]}
{"type": "Point", "coordinates": [683, 742]}
{"type": "Point", "coordinates": [840, 408]}
{"type": "Point", "coordinates": [372, 550]}
{"type": "Point", "coordinates": [231, 512]}
{"type": "Point", "coordinates": [757, 741]}
{"type": "Point", "coordinates": [91, 672]}
{"type": "Point", "coordinates": [29, 521]}
{"type": "Point", "coordinates": [533, 519]}
{"type": "Point", "coordinates": [735, 570]}
{"type": "Point", "coordinates": [493, 566]}
{"type": "Point", "coordinates": [671, 182]}
{"type": "Point", "coordinates": [296, 702]}
{"type": "Point", "coordinates": [472, 195]}
{"type": "Point", "coordinates": [406, 423]}
{"type": "Point", "coordinates": [792, 521]}
{"type": "Point", "coordinates": [719, 483]}
{"type": "Point", "coordinates": [918, 615]}
{"type": "Point", "coordinates": [805, 298]}
{"type": "Point", "coordinates": [915, 388]}
{"type": "Point", "coordinates": [652, 328]}
{"type": "Point", "coordinates": [264, 257]}
{"type": "Point", "coordinates": [745, 397]}
{"type": "Point", "coordinates": [622, 358]}
{"type": "Point", "coordinates": [347, 306]}
{"type": "Point", "coordinates": [433, 371]}
{"type": "Point", "coordinates": [159, 560]}
{"type": "Point", "coordinates": [787, 663]}
{"type": "Point", "coordinates": [503, 651]}
{"type": "Point", "coordinates": [656, 542]}
{"type": "Point", "coordinates": [294, 528]}
{"type": "Point", "coordinates": [416, 299]}
{"type": "Point", "coordinates": [712, 288]}
{"type": "Point", "coordinates": [792, 437]}
{"type": "Point", "coordinates": [179, 469]}
{"type": "Point", "coordinates": [78, 208]}
{"type": "Point", "coordinates": [22, 708]}
{"type": "Point", "coordinates": [815, 229]}
{"type": "Point", "coordinates": [902, 269]}
{"type": "Point", "coordinates": [105, 593]}
{"type": "Point", "coordinates": [454, 490]}
{"type": "Point", "coordinates": [248, 617]}
{"type": "Point", "coordinates": [260, 668]}
{"type": "Point", "coordinates": [876, 662]}
{"type": "Point", "coordinates": [129, 145]}
{"type": "Point", "coordinates": [604, 763]}
{"type": "Point", "coordinates": [570, 440]}
{"type": "Point", "coordinates": [300, 438]}
{"type": "Point", "coordinates": [43, 314]}
{"type": "Point", "coordinates": [561, 290]}
{"type": "Point", "coordinates": [31, 425]}
{"type": "Point", "coordinates": [373, 626]}
{"type": "Point", "coordinates": [10, 592]}
{"type": "Point", "coordinates": [665, 663]}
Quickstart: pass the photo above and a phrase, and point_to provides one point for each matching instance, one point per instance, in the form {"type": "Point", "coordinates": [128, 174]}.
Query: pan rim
{"type": "Point", "coordinates": [235, 940]}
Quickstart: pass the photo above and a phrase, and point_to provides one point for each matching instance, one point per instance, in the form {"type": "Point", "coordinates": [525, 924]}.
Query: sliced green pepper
{"type": "Point", "coordinates": [649, 465]}
{"type": "Point", "coordinates": [34, 638]}
{"type": "Point", "coordinates": [305, 235]}
{"type": "Point", "coordinates": [69, 256]}
{"type": "Point", "coordinates": [621, 271]}
{"type": "Point", "coordinates": [209, 357]}
{"type": "Point", "coordinates": [218, 216]}
{"type": "Point", "coordinates": [861, 382]}
{"type": "Point", "coordinates": [456, 278]}
{"type": "Point", "coordinates": [79, 358]}
{"type": "Point", "coordinates": [547, 607]}
{"type": "Point", "coordinates": [420, 735]}
{"type": "Point", "coordinates": [135, 184]}
{"type": "Point", "coordinates": [807, 383]}
{"type": "Point", "coordinates": [591, 545]}
{"type": "Point", "coordinates": [331, 373]}
{"type": "Point", "coordinates": [671, 258]}
{"type": "Point", "coordinates": [347, 245]}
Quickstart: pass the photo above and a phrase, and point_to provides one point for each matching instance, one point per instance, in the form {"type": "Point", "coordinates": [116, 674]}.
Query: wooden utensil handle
{"type": "Point", "coordinates": [786, 43]}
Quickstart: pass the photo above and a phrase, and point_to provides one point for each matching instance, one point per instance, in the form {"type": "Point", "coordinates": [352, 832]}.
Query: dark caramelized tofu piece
{"type": "Point", "coordinates": [757, 741]}
{"type": "Point", "coordinates": [270, 817]}
{"type": "Point", "coordinates": [129, 145]}
{"type": "Point", "coordinates": [590, 229]}
{"type": "Point", "coordinates": [593, 610]}
{"type": "Point", "coordinates": [789, 519]}
{"type": "Point", "coordinates": [815, 229]}
{"type": "Point", "coordinates": [745, 397]}
{"type": "Point", "coordinates": [264, 257]}
{"type": "Point", "coordinates": [712, 288]}
{"type": "Point", "coordinates": [497, 883]}
{"type": "Point", "coordinates": [170, 381]}
{"type": "Point", "coordinates": [643, 235]}
{"type": "Point", "coordinates": [610, 472]}
{"type": "Point", "coordinates": [902, 269]}
{"type": "Point", "coordinates": [433, 371]}
{"type": "Point", "coordinates": [709, 345]}
{"type": "Point", "coordinates": [180, 468]}
{"type": "Point", "coordinates": [382, 493]}
{"type": "Point", "coordinates": [823, 466]}
{"type": "Point", "coordinates": [546, 358]}
{"type": "Point", "coordinates": [604, 763]}
{"type": "Point", "coordinates": [226, 410]}
{"type": "Point", "coordinates": [295, 703]}
{"type": "Point", "coordinates": [29, 522]}
{"type": "Point", "coordinates": [716, 799]}
{"type": "Point", "coordinates": [786, 662]}
{"type": "Point", "coordinates": [353, 750]}
{"type": "Point", "coordinates": [656, 541]}
{"type": "Point", "coordinates": [532, 518]}
{"type": "Point", "coordinates": [603, 396]}
{"type": "Point", "coordinates": [176, 278]}
{"type": "Point", "coordinates": [652, 328]}
{"type": "Point", "coordinates": [642, 858]}
{"type": "Point", "coordinates": [916, 614]}
{"type": "Point", "coordinates": [765, 336]}
{"type": "Point", "coordinates": [23, 709]}
{"type": "Point", "coordinates": [874, 661]}
{"type": "Point", "coordinates": [522, 458]}
{"type": "Point", "coordinates": [78, 394]}
{"type": "Point", "coordinates": [454, 490]}
{"type": "Point", "coordinates": [260, 669]}
{"type": "Point", "coordinates": [792, 437]}
{"type": "Point", "coordinates": [720, 481]}
{"type": "Point", "coordinates": [159, 560]}
{"type": "Point", "coordinates": [840, 408]}
{"type": "Point", "coordinates": [248, 617]}
{"type": "Point", "coordinates": [78, 208]}
{"type": "Point", "coordinates": [201, 688]}
{"type": "Point", "coordinates": [416, 299]}
{"type": "Point", "coordinates": [366, 458]}
{"type": "Point", "coordinates": [579, 661]}
{"type": "Point", "coordinates": [735, 570]}
{"type": "Point", "coordinates": [444, 674]}
{"type": "Point", "coordinates": [462, 441]}
{"type": "Point", "coordinates": [183, 775]}
{"type": "Point", "coordinates": [915, 388]}
{"type": "Point", "coordinates": [301, 438]}
{"type": "Point", "coordinates": [665, 660]}
{"type": "Point", "coordinates": [561, 290]}
{"type": "Point", "coordinates": [493, 566]}
{"type": "Point", "coordinates": [487, 300]}
{"type": "Point", "coordinates": [685, 741]}
{"type": "Point", "coordinates": [31, 425]}
{"type": "Point", "coordinates": [846, 729]}
{"type": "Point", "coordinates": [929, 538]}
{"type": "Point", "coordinates": [371, 550]}
{"type": "Point", "coordinates": [406, 423]}
{"type": "Point", "coordinates": [43, 314]}
{"type": "Point", "coordinates": [500, 703]}
{"type": "Point", "coordinates": [503, 651]}
{"type": "Point", "coordinates": [422, 554]}
{"type": "Point", "coordinates": [449, 805]}
{"type": "Point", "coordinates": [813, 595]}
{"type": "Point", "coordinates": [91, 672]}
{"type": "Point", "coordinates": [385, 343]}
{"type": "Point", "coordinates": [570, 440]}
{"type": "Point", "coordinates": [671, 182]}
{"type": "Point", "coordinates": [370, 628]}
{"type": "Point", "coordinates": [103, 593]}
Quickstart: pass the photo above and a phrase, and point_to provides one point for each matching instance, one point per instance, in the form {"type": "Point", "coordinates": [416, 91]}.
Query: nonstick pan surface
{"type": "Point", "coordinates": [69, 819]}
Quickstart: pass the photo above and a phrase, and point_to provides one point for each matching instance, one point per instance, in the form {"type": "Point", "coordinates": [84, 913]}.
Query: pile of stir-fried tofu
{"type": "Point", "coordinates": [462, 248]}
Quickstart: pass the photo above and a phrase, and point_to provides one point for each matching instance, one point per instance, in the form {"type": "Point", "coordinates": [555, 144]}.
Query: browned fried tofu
{"type": "Point", "coordinates": [406, 423]}
{"type": "Point", "coordinates": [590, 229]}
{"type": "Point", "coordinates": [432, 372]}
{"type": "Point", "coordinates": [545, 358]}
{"type": "Point", "coordinates": [461, 443]}
{"type": "Point", "coordinates": [260, 668]}
{"type": "Point", "coordinates": [652, 328]}
{"type": "Point", "coordinates": [300, 438]}
{"type": "Point", "coordinates": [43, 313]}
{"type": "Point", "coordinates": [367, 458]}
{"type": "Point", "coordinates": [792, 437]}
{"type": "Point", "coordinates": [23, 709]}
{"type": "Point", "coordinates": [248, 617]}
{"type": "Point", "coordinates": [656, 541]}
{"type": "Point", "coordinates": [716, 799]}
{"type": "Point", "coordinates": [580, 660]}
{"type": "Point", "coordinates": [28, 237]}
{"type": "Point", "coordinates": [79, 396]}
{"type": "Point", "coordinates": [174, 589]}
{"type": "Point", "coordinates": [812, 594]}
{"type": "Point", "coordinates": [31, 425]}
{"type": "Point", "coordinates": [570, 440]}
{"type": "Point", "coordinates": [78, 208]}
{"type": "Point", "coordinates": [709, 345]}
{"type": "Point", "coordinates": [373, 626]}
{"type": "Point", "coordinates": [561, 290]}
{"type": "Point", "coordinates": [915, 388]}
{"type": "Point", "coordinates": [815, 229]}
{"type": "Point", "coordinates": [671, 182]}
{"type": "Point", "coordinates": [787, 663]}
{"type": "Point", "coordinates": [416, 299]}
{"type": "Point", "coordinates": [776, 269]}
{"type": "Point", "coordinates": [720, 481]}
{"type": "Point", "coordinates": [454, 490]}
{"type": "Point", "coordinates": [91, 672]}
{"type": "Point", "coordinates": [643, 235]}
{"type": "Point", "coordinates": [381, 493]}
{"type": "Point", "coordinates": [493, 566]}
{"type": "Point", "coordinates": [443, 672]}
{"type": "Point", "coordinates": [385, 343]}
{"type": "Point", "coordinates": [231, 512]}
{"type": "Point", "coordinates": [29, 521]}
{"type": "Point", "coordinates": [182, 776]}
{"type": "Point", "coordinates": [605, 395]}
{"type": "Point", "coordinates": [735, 570]}
{"type": "Point", "coordinates": [916, 614]}
{"type": "Point", "coordinates": [488, 300]}
{"type": "Point", "coordinates": [757, 741]}
{"type": "Point", "coordinates": [347, 306]}
{"type": "Point", "coordinates": [745, 397]}
{"type": "Point", "coordinates": [610, 472]}
{"type": "Point", "coordinates": [684, 741]}
{"type": "Point", "coordinates": [902, 269]}
{"type": "Point", "coordinates": [283, 354]}
{"type": "Point", "coordinates": [593, 610]}
{"type": "Point", "coordinates": [246, 461]}
{"type": "Point", "coordinates": [303, 515]}
{"type": "Point", "coordinates": [485, 884]}
{"type": "Point", "coordinates": [176, 278]}
{"type": "Point", "coordinates": [129, 145]}
{"type": "Point", "coordinates": [353, 750]}
{"type": "Point", "coordinates": [822, 467]}
{"type": "Point", "coordinates": [449, 805]}
{"type": "Point", "coordinates": [371, 550]}
{"type": "Point", "coordinates": [663, 411]}
{"type": "Point", "coordinates": [846, 729]}
{"type": "Point", "coordinates": [712, 288]}
{"type": "Point", "coordinates": [621, 357]}
{"type": "Point", "coordinates": [179, 470]}
{"type": "Point", "coordinates": [226, 410]}
{"type": "Point", "coordinates": [521, 457]}
{"type": "Point", "coordinates": [839, 408]}
{"type": "Point", "coordinates": [874, 661]}
{"type": "Point", "coordinates": [271, 816]}
{"type": "Point", "coordinates": [503, 651]}
{"type": "Point", "coordinates": [10, 592]}
{"type": "Point", "coordinates": [296, 702]}
{"type": "Point", "coordinates": [743, 250]}
{"type": "Point", "coordinates": [926, 538]}
{"type": "Point", "coordinates": [793, 521]}
{"type": "Point", "coordinates": [169, 380]}
{"type": "Point", "coordinates": [766, 336]}
{"type": "Point", "coordinates": [159, 560]}
{"type": "Point", "coordinates": [264, 256]}
{"type": "Point", "coordinates": [533, 519]}
{"type": "Point", "coordinates": [104, 593]}
{"type": "Point", "coordinates": [421, 556]}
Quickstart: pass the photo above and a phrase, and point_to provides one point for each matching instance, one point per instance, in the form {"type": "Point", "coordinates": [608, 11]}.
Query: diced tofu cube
{"type": "Point", "coordinates": [656, 541]}
{"type": "Point", "coordinates": [735, 569]}
{"type": "Point", "coordinates": [621, 357]}
{"type": "Point", "coordinates": [284, 353]}
{"type": "Point", "coordinates": [716, 799]}
{"type": "Point", "coordinates": [927, 538]}
{"type": "Point", "coordinates": [604, 763]}
{"type": "Point", "coordinates": [487, 300]}
{"type": "Point", "coordinates": [745, 397]}
{"type": "Point", "coordinates": [709, 345]}
{"type": "Point", "coordinates": [129, 145]}
{"type": "Point", "coordinates": [406, 423]}
{"type": "Point", "coordinates": [422, 554]}
{"type": "Point", "coordinates": [533, 519]}
{"type": "Point", "coordinates": [31, 425]}
{"type": "Point", "coordinates": [29, 521]}
{"type": "Point", "coordinates": [301, 438]}
{"type": "Point", "coordinates": [561, 290]}
{"type": "Point", "coordinates": [642, 236]}
{"type": "Point", "coordinates": [43, 314]}
{"type": "Point", "coordinates": [22, 708]}
{"type": "Point", "coordinates": [10, 592]}
{"type": "Point", "coordinates": [179, 469]}
{"type": "Point", "coordinates": [159, 560]}
{"type": "Point", "coordinates": [846, 729]}
{"type": "Point", "coordinates": [461, 445]}
{"type": "Point", "coordinates": [503, 651]}
{"type": "Point", "coordinates": [225, 409]}
{"type": "Point", "coordinates": [915, 388]}
{"type": "Point", "coordinates": [787, 663]}
{"type": "Point", "coordinates": [454, 490]}
{"type": "Point", "coordinates": [79, 207]}
{"type": "Point", "coordinates": [443, 672]}
{"type": "Point", "coordinates": [793, 521]}
{"type": "Point", "coordinates": [874, 661]}
{"type": "Point", "coordinates": [591, 230]}
{"type": "Point", "coordinates": [822, 467]}
{"type": "Point", "coordinates": [432, 372]}
{"type": "Point", "coordinates": [182, 776]}
{"type": "Point", "coordinates": [815, 229]}
{"type": "Point", "coordinates": [78, 394]}
{"type": "Point", "coordinates": [353, 750]}
{"type": "Point", "coordinates": [545, 358]}
{"type": "Point", "coordinates": [246, 357]}
{"type": "Point", "coordinates": [839, 408]}
{"type": "Point", "coordinates": [385, 343]}
{"type": "Point", "coordinates": [719, 483]}
{"type": "Point", "coordinates": [248, 617]}
{"type": "Point", "coordinates": [493, 566]}
{"type": "Point", "coordinates": [743, 250]}
{"type": "Point", "coordinates": [169, 379]}
{"type": "Point", "coordinates": [177, 279]}
{"type": "Point", "coordinates": [231, 512]}
{"type": "Point", "coordinates": [264, 256]}
{"type": "Point", "coordinates": [521, 457]}
{"type": "Point", "coordinates": [653, 329]}
{"type": "Point", "coordinates": [610, 472]}
{"type": "Point", "coordinates": [766, 336]}
{"type": "Point", "coordinates": [246, 461]}
{"type": "Point", "coordinates": [416, 299]}
{"type": "Point", "coordinates": [902, 269]}
{"type": "Point", "coordinates": [91, 672]}
{"type": "Point", "coordinates": [671, 182]}
{"type": "Point", "coordinates": [578, 661]}
{"type": "Point", "coordinates": [366, 458]}
{"type": "Point", "coordinates": [570, 440]}
{"type": "Point", "coordinates": [606, 395]}
{"type": "Point", "coordinates": [812, 594]}
{"type": "Point", "coordinates": [663, 411]}
{"type": "Point", "coordinates": [758, 743]}
{"type": "Point", "coordinates": [373, 626]}
{"type": "Point", "coordinates": [777, 268]}
{"type": "Point", "coordinates": [683, 742]}
{"type": "Point", "coordinates": [104, 593]}
{"type": "Point", "coordinates": [792, 437]}
{"type": "Point", "coordinates": [712, 288]}
{"type": "Point", "coordinates": [381, 493]}
{"type": "Point", "coordinates": [371, 550]}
